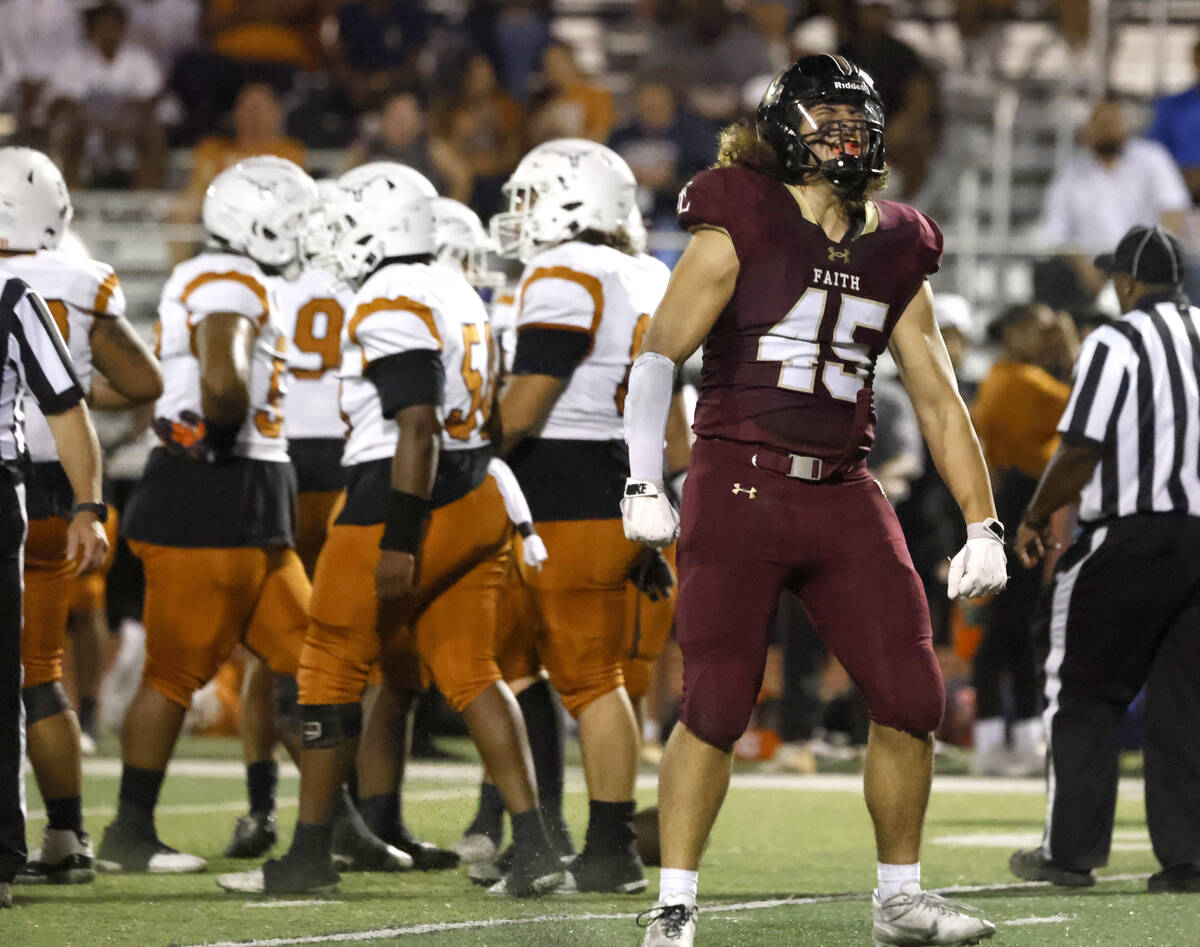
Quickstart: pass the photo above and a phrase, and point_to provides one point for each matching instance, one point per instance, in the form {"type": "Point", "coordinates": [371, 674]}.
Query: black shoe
{"type": "Point", "coordinates": [137, 850]}
{"type": "Point", "coordinates": [1032, 865]}
{"type": "Point", "coordinates": [491, 871]}
{"type": "Point", "coordinates": [425, 855]}
{"type": "Point", "coordinates": [619, 873]}
{"type": "Point", "coordinates": [65, 858]}
{"type": "Point", "coordinates": [531, 874]}
{"type": "Point", "coordinates": [287, 875]}
{"type": "Point", "coordinates": [254, 835]}
{"type": "Point", "coordinates": [560, 835]}
{"type": "Point", "coordinates": [1178, 879]}
{"type": "Point", "coordinates": [356, 848]}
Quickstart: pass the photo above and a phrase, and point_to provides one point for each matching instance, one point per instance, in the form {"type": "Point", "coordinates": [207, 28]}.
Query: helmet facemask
{"type": "Point", "coordinates": [848, 152]}
{"type": "Point", "coordinates": [515, 231]}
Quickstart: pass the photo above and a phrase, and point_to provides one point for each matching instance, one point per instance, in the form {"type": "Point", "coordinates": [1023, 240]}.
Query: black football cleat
{"type": "Point", "coordinates": [425, 855]}
{"type": "Point", "coordinates": [285, 875]}
{"type": "Point", "coordinates": [254, 835]}
{"type": "Point", "coordinates": [138, 850]}
{"type": "Point", "coordinates": [65, 858]}
{"type": "Point", "coordinates": [531, 874]}
{"type": "Point", "coordinates": [616, 873]}
{"type": "Point", "coordinates": [1032, 865]}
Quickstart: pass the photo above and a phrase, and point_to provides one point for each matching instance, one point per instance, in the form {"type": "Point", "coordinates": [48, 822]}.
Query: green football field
{"type": "Point", "coordinates": [790, 864]}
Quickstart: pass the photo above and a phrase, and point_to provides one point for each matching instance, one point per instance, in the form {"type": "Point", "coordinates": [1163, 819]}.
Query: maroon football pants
{"type": "Point", "coordinates": [746, 534]}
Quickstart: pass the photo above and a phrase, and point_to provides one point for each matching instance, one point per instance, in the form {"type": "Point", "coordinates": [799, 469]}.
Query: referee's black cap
{"type": "Point", "coordinates": [1148, 254]}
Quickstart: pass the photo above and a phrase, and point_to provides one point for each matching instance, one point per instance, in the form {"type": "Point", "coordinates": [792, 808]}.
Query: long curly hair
{"type": "Point", "coordinates": [739, 144]}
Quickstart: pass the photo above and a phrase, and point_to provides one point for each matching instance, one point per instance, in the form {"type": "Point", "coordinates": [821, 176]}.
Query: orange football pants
{"type": "Point", "coordinates": [48, 578]}
{"type": "Point", "coordinates": [202, 602]}
{"type": "Point", "coordinates": [87, 592]}
{"type": "Point", "coordinates": [316, 511]}
{"type": "Point", "coordinates": [580, 605]}
{"type": "Point", "coordinates": [517, 629]}
{"type": "Point", "coordinates": [647, 626]}
{"type": "Point", "coordinates": [448, 622]}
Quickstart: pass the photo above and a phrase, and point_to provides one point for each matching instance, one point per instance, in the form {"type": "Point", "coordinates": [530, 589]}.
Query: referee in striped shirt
{"type": "Point", "coordinates": [34, 359]}
{"type": "Point", "coordinates": [1125, 607]}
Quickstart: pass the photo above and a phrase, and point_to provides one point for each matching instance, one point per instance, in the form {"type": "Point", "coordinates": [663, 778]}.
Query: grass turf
{"type": "Point", "coordinates": [770, 844]}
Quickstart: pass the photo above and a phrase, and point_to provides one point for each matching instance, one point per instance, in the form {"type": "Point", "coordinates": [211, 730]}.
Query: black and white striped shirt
{"type": "Point", "coordinates": [1136, 396]}
{"type": "Point", "coordinates": [34, 359]}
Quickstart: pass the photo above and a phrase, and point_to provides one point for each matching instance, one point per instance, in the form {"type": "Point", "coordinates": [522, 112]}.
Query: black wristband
{"type": "Point", "coordinates": [526, 530]}
{"type": "Point", "coordinates": [405, 518]}
{"type": "Point", "coordinates": [98, 510]}
{"type": "Point", "coordinates": [221, 438]}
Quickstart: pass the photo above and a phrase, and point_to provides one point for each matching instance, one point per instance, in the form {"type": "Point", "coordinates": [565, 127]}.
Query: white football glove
{"type": "Point", "coordinates": [533, 550]}
{"type": "Point", "coordinates": [647, 514]}
{"type": "Point", "coordinates": [980, 567]}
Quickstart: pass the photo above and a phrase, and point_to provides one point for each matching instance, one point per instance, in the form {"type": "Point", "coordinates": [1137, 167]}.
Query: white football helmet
{"type": "Point", "coordinates": [559, 190]}
{"type": "Point", "coordinates": [463, 244]}
{"type": "Point", "coordinates": [382, 209]}
{"type": "Point", "coordinates": [258, 207]}
{"type": "Point", "coordinates": [35, 207]}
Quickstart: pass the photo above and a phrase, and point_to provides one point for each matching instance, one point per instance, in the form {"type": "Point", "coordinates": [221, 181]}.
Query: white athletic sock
{"type": "Point", "coordinates": [989, 734]}
{"type": "Point", "coordinates": [677, 883]}
{"type": "Point", "coordinates": [893, 877]}
{"type": "Point", "coordinates": [1029, 736]}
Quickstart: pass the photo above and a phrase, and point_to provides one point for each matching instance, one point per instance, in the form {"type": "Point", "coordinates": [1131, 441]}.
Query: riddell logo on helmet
{"type": "Point", "coordinates": [856, 86]}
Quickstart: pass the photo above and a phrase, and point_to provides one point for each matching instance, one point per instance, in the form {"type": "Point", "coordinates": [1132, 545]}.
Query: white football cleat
{"type": "Point", "coordinates": [669, 923]}
{"type": "Point", "coordinates": [87, 746]}
{"type": "Point", "coordinates": [476, 847]}
{"type": "Point", "coordinates": [65, 858]}
{"type": "Point", "coordinates": [917, 917]}
{"type": "Point", "coordinates": [243, 882]}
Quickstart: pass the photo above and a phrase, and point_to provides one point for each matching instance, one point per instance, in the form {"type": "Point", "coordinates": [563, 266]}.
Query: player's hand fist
{"type": "Point", "coordinates": [652, 574]}
{"type": "Point", "coordinates": [980, 568]}
{"type": "Point", "coordinates": [394, 573]}
{"type": "Point", "coordinates": [533, 551]}
{"type": "Point", "coordinates": [647, 514]}
{"type": "Point", "coordinates": [87, 543]}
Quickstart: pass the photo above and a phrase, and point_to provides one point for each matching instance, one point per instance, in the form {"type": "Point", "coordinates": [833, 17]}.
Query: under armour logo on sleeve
{"type": "Point", "coordinates": [751, 492]}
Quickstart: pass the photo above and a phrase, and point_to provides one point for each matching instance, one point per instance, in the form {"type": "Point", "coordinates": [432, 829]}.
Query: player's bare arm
{"type": "Point", "coordinates": [126, 363]}
{"type": "Point", "coordinates": [928, 376]}
{"type": "Point", "coordinates": [1066, 475]}
{"type": "Point", "coordinates": [224, 343]}
{"type": "Point", "coordinates": [413, 468]}
{"type": "Point", "coordinates": [525, 404]}
{"type": "Point", "coordinates": [79, 454]}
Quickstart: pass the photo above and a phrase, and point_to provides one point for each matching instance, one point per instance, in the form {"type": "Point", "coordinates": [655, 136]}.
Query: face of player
{"type": "Point", "coordinates": [831, 130]}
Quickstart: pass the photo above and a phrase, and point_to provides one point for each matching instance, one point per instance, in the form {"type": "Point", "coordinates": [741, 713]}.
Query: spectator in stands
{"type": "Point", "coordinates": [520, 33]}
{"type": "Point", "coordinates": [485, 125]}
{"type": "Point", "coordinates": [378, 41]}
{"type": "Point", "coordinates": [665, 144]}
{"type": "Point", "coordinates": [400, 133]}
{"type": "Point", "coordinates": [37, 35]}
{"type": "Point", "coordinates": [1114, 182]}
{"type": "Point", "coordinates": [1016, 413]}
{"type": "Point", "coordinates": [569, 104]}
{"type": "Point", "coordinates": [164, 28]}
{"type": "Point", "coordinates": [716, 52]}
{"type": "Point", "coordinates": [102, 126]}
{"type": "Point", "coordinates": [908, 88]}
{"type": "Point", "coordinates": [258, 130]}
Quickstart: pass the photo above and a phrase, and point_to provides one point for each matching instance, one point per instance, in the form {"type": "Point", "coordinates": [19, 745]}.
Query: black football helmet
{"type": "Point", "coordinates": [857, 143]}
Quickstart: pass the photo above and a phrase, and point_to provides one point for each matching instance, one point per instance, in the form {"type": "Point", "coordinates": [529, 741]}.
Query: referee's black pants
{"type": "Point", "coordinates": [12, 715]}
{"type": "Point", "coordinates": [1125, 611]}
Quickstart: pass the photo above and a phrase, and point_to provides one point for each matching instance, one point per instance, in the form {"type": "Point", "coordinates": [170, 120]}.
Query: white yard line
{"type": "Point", "coordinates": [468, 773]}
{"type": "Point", "coordinates": [289, 904]}
{"type": "Point", "coordinates": [1024, 921]}
{"type": "Point", "coordinates": [1124, 840]}
{"type": "Point", "coordinates": [390, 933]}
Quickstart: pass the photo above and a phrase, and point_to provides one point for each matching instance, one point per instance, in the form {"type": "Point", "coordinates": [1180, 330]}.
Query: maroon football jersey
{"type": "Point", "coordinates": [789, 362]}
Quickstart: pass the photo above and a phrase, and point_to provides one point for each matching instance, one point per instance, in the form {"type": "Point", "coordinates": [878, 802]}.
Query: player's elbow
{"type": "Point", "coordinates": [140, 386]}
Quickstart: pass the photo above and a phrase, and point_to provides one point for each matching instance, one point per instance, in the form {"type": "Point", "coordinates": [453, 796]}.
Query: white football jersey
{"type": "Point", "coordinates": [224, 282]}
{"type": "Point", "coordinates": [77, 291]}
{"type": "Point", "coordinates": [406, 307]}
{"type": "Point", "coordinates": [319, 315]}
{"type": "Point", "coordinates": [609, 295]}
{"type": "Point", "coordinates": [503, 315]}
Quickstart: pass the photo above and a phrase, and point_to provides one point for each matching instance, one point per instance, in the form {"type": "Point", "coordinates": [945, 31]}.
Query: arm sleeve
{"type": "Point", "coordinates": [1099, 389]}
{"type": "Point", "coordinates": [408, 378]}
{"type": "Point", "coordinates": [705, 201]}
{"type": "Point", "coordinates": [647, 407]}
{"type": "Point", "coordinates": [49, 373]}
{"type": "Point", "coordinates": [515, 503]}
{"type": "Point", "coordinates": [932, 243]}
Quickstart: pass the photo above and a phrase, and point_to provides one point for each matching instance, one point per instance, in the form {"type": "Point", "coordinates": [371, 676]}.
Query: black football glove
{"type": "Point", "coordinates": [652, 574]}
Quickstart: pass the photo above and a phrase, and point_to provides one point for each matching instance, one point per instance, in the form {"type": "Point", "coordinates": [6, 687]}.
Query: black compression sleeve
{"type": "Point", "coordinates": [408, 378]}
{"type": "Point", "coordinates": [545, 351]}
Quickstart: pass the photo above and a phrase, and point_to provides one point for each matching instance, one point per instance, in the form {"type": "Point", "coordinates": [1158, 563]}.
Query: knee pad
{"type": "Point", "coordinates": [43, 700]}
{"type": "Point", "coordinates": [329, 725]}
{"type": "Point", "coordinates": [717, 702]}
{"type": "Point", "coordinates": [287, 704]}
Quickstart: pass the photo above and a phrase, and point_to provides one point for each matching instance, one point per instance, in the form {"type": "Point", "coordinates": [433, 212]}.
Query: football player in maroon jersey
{"type": "Point", "coordinates": [796, 281]}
